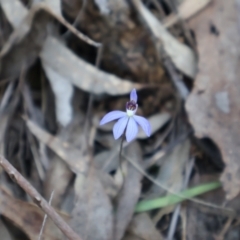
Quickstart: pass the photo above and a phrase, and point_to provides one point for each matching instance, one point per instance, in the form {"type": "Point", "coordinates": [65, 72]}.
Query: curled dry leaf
{"type": "Point", "coordinates": [130, 192]}
{"type": "Point", "coordinates": [28, 217]}
{"type": "Point", "coordinates": [181, 55]}
{"type": "Point", "coordinates": [214, 104]}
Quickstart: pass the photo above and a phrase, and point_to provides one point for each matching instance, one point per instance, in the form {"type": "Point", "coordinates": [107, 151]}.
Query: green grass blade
{"type": "Point", "coordinates": [173, 199]}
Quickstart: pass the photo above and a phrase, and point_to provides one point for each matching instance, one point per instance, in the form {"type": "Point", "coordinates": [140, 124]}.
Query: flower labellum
{"type": "Point", "coordinates": [127, 120]}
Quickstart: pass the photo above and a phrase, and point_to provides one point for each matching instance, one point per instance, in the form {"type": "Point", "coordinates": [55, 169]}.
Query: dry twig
{"type": "Point", "coordinates": [38, 199]}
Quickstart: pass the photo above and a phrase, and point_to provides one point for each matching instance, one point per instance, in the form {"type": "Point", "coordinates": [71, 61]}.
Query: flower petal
{"type": "Point", "coordinates": [120, 126]}
{"type": "Point", "coordinates": [133, 95]}
{"type": "Point", "coordinates": [112, 116]}
{"type": "Point", "coordinates": [132, 130]}
{"type": "Point", "coordinates": [144, 123]}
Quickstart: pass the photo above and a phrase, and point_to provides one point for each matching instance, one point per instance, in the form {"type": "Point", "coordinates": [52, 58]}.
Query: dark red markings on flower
{"type": "Point", "coordinates": [131, 105]}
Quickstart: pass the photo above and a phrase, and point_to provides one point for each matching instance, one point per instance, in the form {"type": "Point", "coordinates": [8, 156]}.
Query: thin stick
{"type": "Point", "coordinates": [45, 218]}
{"type": "Point", "coordinates": [67, 34]}
{"type": "Point", "coordinates": [195, 200]}
{"type": "Point", "coordinates": [72, 29]}
{"type": "Point", "coordinates": [38, 199]}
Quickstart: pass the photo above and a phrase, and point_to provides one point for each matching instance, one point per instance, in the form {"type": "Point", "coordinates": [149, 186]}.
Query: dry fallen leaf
{"type": "Point", "coordinates": [28, 217]}
{"type": "Point", "coordinates": [14, 11]}
{"type": "Point", "coordinates": [108, 160]}
{"type": "Point", "coordinates": [92, 214]}
{"type": "Point", "coordinates": [57, 178]}
{"type": "Point", "coordinates": [186, 10]}
{"type": "Point", "coordinates": [181, 55]}
{"type": "Point", "coordinates": [56, 57]}
{"type": "Point", "coordinates": [70, 155]}
{"type": "Point", "coordinates": [214, 105]}
{"type": "Point", "coordinates": [80, 73]}
{"type": "Point", "coordinates": [59, 175]}
{"type": "Point", "coordinates": [63, 91]}
{"type": "Point", "coordinates": [172, 168]}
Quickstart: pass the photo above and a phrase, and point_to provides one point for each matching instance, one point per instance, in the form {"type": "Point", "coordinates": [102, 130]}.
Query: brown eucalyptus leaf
{"type": "Point", "coordinates": [181, 55]}
{"type": "Point", "coordinates": [57, 178]}
{"type": "Point", "coordinates": [92, 213]}
{"type": "Point", "coordinates": [214, 104]}
{"type": "Point", "coordinates": [28, 217]}
{"type": "Point", "coordinates": [130, 191]}
{"type": "Point", "coordinates": [59, 175]}
{"type": "Point", "coordinates": [80, 73]}
{"type": "Point", "coordinates": [72, 156]}
{"type": "Point", "coordinates": [58, 59]}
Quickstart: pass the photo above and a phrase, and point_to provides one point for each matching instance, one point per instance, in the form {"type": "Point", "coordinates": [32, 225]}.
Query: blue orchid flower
{"type": "Point", "coordinates": [127, 120]}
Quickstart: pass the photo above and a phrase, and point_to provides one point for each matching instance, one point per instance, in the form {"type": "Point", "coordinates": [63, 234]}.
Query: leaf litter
{"type": "Point", "coordinates": [52, 97]}
{"type": "Point", "coordinates": [217, 99]}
